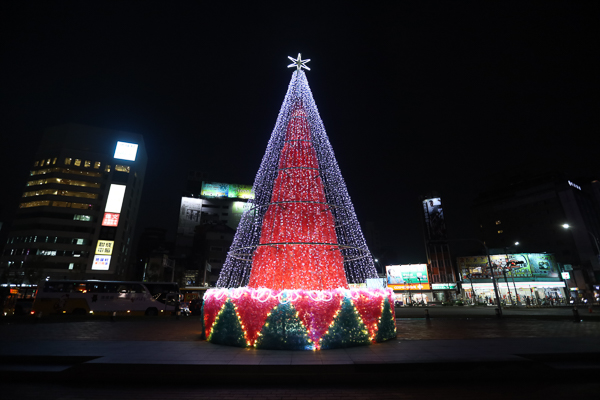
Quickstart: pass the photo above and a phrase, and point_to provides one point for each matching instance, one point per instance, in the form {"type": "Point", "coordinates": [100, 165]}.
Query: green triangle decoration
{"type": "Point", "coordinates": [227, 329]}
{"type": "Point", "coordinates": [348, 329]}
{"type": "Point", "coordinates": [283, 330]}
{"type": "Point", "coordinates": [387, 324]}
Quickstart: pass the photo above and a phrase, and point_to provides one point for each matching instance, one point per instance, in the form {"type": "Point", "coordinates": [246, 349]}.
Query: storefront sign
{"type": "Point", "coordinates": [424, 286]}
{"type": "Point", "coordinates": [105, 247]}
{"type": "Point", "coordinates": [442, 286]}
{"type": "Point", "coordinates": [566, 275]}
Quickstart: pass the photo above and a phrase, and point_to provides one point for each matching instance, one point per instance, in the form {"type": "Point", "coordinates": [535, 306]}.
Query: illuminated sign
{"type": "Point", "coordinates": [105, 247]}
{"type": "Point", "coordinates": [440, 286]}
{"type": "Point", "coordinates": [101, 262]}
{"type": "Point", "coordinates": [229, 190]}
{"type": "Point", "coordinates": [126, 151]}
{"type": "Point", "coordinates": [407, 277]}
{"type": "Point", "coordinates": [574, 185]}
{"type": "Point", "coordinates": [520, 265]}
{"type": "Point", "coordinates": [434, 219]}
{"type": "Point", "coordinates": [110, 219]}
{"type": "Point", "coordinates": [189, 215]}
{"type": "Point", "coordinates": [565, 275]}
{"type": "Point", "coordinates": [115, 198]}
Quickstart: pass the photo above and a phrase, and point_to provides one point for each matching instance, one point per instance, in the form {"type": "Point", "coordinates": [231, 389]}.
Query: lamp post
{"type": "Point", "coordinates": [487, 252]}
{"type": "Point", "coordinates": [472, 289]}
{"type": "Point", "coordinates": [567, 226]}
{"type": "Point", "coordinates": [511, 275]}
{"type": "Point", "coordinates": [420, 287]}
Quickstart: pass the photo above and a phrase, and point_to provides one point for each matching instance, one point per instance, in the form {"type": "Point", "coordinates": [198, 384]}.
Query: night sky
{"type": "Point", "coordinates": [416, 97]}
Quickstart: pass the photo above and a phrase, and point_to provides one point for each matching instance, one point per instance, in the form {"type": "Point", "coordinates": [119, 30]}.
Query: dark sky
{"type": "Point", "coordinates": [415, 97]}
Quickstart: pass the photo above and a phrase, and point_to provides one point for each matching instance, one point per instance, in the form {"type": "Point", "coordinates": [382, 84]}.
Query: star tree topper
{"type": "Point", "coordinates": [299, 62]}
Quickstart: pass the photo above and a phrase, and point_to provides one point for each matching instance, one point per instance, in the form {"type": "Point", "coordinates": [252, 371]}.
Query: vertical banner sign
{"type": "Point", "coordinates": [434, 219]}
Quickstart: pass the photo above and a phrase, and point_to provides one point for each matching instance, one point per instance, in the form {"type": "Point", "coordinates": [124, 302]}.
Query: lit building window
{"type": "Point", "coordinates": [68, 161]}
{"type": "Point", "coordinates": [87, 164]}
{"type": "Point", "coordinates": [498, 222]}
{"type": "Point", "coordinates": [97, 165]}
{"type": "Point", "coordinates": [48, 162]}
{"type": "Point", "coordinates": [107, 168]}
{"type": "Point", "coordinates": [35, 164]}
{"type": "Point", "coordinates": [500, 231]}
{"type": "Point", "coordinates": [79, 217]}
{"type": "Point", "coordinates": [56, 192]}
{"type": "Point", "coordinates": [63, 182]}
{"type": "Point", "coordinates": [65, 171]}
{"type": "Point", "coordinates": [35, 204]}
{"type": "Point", "coordinates": [122, 168]}
{"type": "Point", "coordinates": [54, 160]}
{"type": "Point", "coordinates": [77, 162]}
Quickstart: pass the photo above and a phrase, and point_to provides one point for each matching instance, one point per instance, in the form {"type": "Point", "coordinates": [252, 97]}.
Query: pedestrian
{"type": "Point", "coordinates": [528, 301]}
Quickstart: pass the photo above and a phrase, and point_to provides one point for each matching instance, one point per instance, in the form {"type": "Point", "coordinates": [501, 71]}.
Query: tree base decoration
{"type": "Point", "coordinates": [298, 319]}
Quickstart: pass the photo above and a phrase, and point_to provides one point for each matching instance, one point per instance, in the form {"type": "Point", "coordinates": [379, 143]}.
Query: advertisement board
{"type": "Point", "coordinates": [114, 202]}
{"type": "Point", "coordinates": [126, 151]}
{"type": "Point", "coordinates": [229, 190]}
{"type": "Point", "coordinates": [517, 265]}
{"type": "Point", "coordinates": [407, 277]}
{"type": "Point", "coordinates": [105, 247]}
{"type": "Point", "coordinates": [190, 213]}
{"type": "Point", "coordinates": [434, 219]}
{"type": "Point", "coordinates": [101, 262]}
{"type": "Point", "coordinates": [110, 219]}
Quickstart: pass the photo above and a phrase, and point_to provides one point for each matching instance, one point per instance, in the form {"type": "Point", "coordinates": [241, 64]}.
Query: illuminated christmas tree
{"type": "Point", "coordinates": [299, 244]}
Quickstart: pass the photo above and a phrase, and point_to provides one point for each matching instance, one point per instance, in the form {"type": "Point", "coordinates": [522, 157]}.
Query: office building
{"type": "Point", "coordinates": [208, 218]}
{"type": "Point", "coordinates": [531, 209]}
{"type": "Point", "coordinates": [79, 207]}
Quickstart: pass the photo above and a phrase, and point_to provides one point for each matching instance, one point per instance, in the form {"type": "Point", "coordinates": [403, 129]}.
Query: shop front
{"type": "Point", "coordinates": [529, 293]}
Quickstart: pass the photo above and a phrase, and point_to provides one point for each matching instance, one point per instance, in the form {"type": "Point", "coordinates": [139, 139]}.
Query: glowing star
{"type": "Point", "coordinates": [299, 63]}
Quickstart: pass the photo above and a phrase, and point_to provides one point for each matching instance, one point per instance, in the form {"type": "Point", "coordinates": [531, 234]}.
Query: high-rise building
{"type": "Point", "coordinates": [79, 207]}
{"type": "Point", "coordinates": [209, 214]}
{"type": "Point", "coordinates": [532, 208]}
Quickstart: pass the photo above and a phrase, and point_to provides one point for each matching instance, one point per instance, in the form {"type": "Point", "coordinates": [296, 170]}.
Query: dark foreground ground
{"type": "Point", "coordinates": [463, 353]}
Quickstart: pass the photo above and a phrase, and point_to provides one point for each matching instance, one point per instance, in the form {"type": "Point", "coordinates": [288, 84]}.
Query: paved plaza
{"type": "Point", "coordinates": [460, 349]}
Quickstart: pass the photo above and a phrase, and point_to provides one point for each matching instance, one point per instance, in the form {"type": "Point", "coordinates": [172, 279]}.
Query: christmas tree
{"type": "Point", "coordinates": [299, 244]}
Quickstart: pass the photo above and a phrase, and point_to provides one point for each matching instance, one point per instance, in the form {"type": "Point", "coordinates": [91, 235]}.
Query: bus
{"type": "Point", "coordinates": [80, 297]}
{"type": "Point", "coordinates": [17, 299]}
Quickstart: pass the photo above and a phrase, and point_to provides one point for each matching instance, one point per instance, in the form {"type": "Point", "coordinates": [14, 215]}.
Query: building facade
{"type": "Point", "coordinates": [546, 213]}
{"type": "Point", "coordinates": [207, 223]}
{"type": "Point", "coordinates": [79, 207]}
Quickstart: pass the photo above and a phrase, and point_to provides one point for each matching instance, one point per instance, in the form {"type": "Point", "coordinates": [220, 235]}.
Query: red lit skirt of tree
{"type": "Point", "coordinates": [316, 310]}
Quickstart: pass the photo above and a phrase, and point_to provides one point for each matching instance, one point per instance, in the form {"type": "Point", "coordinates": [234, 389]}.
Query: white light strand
{"type": "Point", "coordinates": [359, 264]}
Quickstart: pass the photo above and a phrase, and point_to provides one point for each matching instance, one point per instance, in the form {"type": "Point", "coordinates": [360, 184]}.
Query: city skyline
{"type": "Point", "coordinates": [415, 98]}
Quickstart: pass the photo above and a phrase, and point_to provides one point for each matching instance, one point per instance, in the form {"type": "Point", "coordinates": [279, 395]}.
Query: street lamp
{"type": "Point", "coordinates": [487, 252]}
{"type": "Point", "coordinates": [420, 287]}
{"type": "Point", "coordinates": [511, 275]}
{"type": "Point", "coordinates": [567, 226]}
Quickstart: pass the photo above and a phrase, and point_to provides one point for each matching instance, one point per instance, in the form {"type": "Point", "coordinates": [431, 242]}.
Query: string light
{"type": "Point", "coordinates": [297, 247]}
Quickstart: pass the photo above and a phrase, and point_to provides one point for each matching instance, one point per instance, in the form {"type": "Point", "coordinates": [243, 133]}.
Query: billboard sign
{"type": "Point", "coordinates": [407, 277]}
{"type": "Point", "coordinates": [190, 213]}
{"type": "Point", "coordinates": [114, 202]}
{"type": "Point", "coordinates": [101, 263]}
{"type": "Point", "coordinates": [110, 219]}
{"type": "Point", "coordinates": [520, 265]}
{"type": "Point", "coordinates": [126, 151]}
{"type": "Point", "coordinates": [434, 219]}
{"type": "Point", "coordinates": [105, 247]}
{"type": "Point", "coordinates": [228, 190]}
